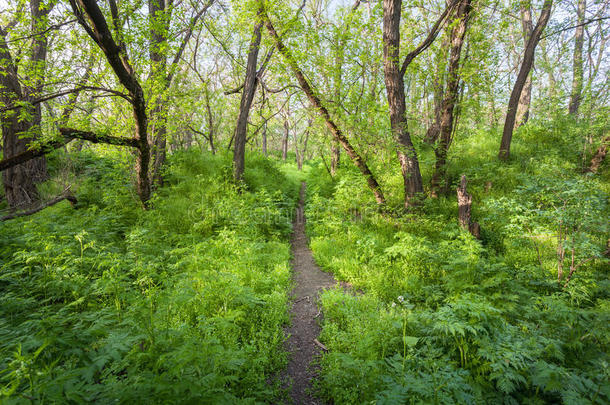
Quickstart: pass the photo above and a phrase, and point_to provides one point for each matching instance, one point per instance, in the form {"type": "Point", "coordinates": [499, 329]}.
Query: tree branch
{"type": "Point", "coordinates": [66, 195]}
{"type": "Point", "coordinates": [68, 135]}
{"type": "Point", "coordinates": [436, 28]}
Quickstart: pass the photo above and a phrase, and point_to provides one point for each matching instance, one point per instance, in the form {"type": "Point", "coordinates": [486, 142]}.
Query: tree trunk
{"type": "Point", "coordinates": [19, 181]}
{"type": "Point", "coordinates": [395, 87]}
{"type": "Point", "coordinates": [247, 96]}
{"type": "Point", "coordinates": [303, 155]}
{"type": "Point", "coordinates": [600, 154]}
{"type": "Point", "coordinates": [577, 70]}
{"type": "Point", "coordinates": [523, 109]}
{"type": "Point", "coordinates": [323, 111]}
{"type": "Point", "coordinates": [210, 119]}
{"type": "Point", "coordinates": [526, 66]}
{"type": "Point", "coordinates": [458, 33]}
{"type": "Point", "coordinates": [335, 158]}
{"type": "Point", "coordinates": [285, 139]}
{"type": "Point", "coordinates": [265, 139]}
{"type": "Point", "coordinates": [97, 28]}
{"type": "Point", "coordinates": [464, 210]}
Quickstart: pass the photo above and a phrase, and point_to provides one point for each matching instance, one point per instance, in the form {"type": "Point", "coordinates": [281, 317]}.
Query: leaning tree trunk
{"type": "Point", "coordinates": [526, 67]}
{"type": "Point", "coordinates": [523, 108]}
{"type": "Point", "coordinates": [323, 111]}
{"type": "Point", "coordinates": [395, 87]}
{"type": "Point", "coordinates": [577, 70]}
{"type": "Point", "coordinates": [247, 96]}
{"type": "Point", "coordinates": [90, 16]}
{"type": "Point", "coordinates": [458, 33]}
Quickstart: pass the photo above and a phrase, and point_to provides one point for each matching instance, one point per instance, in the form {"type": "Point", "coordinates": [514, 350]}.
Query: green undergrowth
{"type": "Point", "coordinates": [437, 316]}
{"type": "Point", "coordinates": [183, 303]}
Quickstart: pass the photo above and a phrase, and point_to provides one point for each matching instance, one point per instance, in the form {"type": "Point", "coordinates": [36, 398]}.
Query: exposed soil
{"type": "Point", "coordinates": [302, 343]}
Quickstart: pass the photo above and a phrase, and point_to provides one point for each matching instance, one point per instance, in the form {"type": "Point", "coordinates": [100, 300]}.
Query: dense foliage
{"type": "Point", "coordinates": [436, 316]}
{"type": "Point", "coordinates": [109, 303]}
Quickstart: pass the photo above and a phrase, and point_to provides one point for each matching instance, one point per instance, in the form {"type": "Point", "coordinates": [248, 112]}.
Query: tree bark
{"type": "Point", "coordinates": [577, 70]}
{"type": "Point", "coordinates": [323, 111]}
{"type": "Point", "coordinates": [68, 135]}
{"type": "Point", "coordinates": [464, 210]}
{"type": "Point", "coordinates": [247, 96]}
{"type": "Point", "coordinates": [526, 67]}
{"type": "Point", "coordinates": [394, 82]}
{"type": "Point", "coordinates": [19, 181]}
{"type": "Point", "coordinates": [119, 62]}
{"type": "Point", "coordinates": [458, 33]}
{"type": "Point", "coordinates": [523, 108]}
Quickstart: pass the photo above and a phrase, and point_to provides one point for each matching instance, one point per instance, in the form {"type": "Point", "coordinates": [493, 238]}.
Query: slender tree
{"type": "Point", "coordinates": [577, 65]}
{"type": "Point", "coordinates": [526, 67]}
{"type": "Point", "coordinates": [247, 95]}
{"type": "Point", "coordinates": [458, 33]}
{"type": "Point", "coordinates": [523, 108]}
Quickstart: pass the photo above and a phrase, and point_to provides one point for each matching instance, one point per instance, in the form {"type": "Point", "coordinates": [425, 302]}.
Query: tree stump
{"type": "Point", "coordinates": [464, 210]}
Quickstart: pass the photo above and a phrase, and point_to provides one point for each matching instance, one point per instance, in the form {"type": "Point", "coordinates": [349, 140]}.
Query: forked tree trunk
{"type": "Point", "coordinates": [526, 67]}
{"type": "Point", "coordinates": [458, 33]}
{"type": "Point", "coordinates": [407, 156]}
{"type": "Point", "coordinates": [577, 70]}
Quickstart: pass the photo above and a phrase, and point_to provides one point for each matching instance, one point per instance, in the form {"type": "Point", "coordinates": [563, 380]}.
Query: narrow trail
{"type": "Point", "coordinates": [309, 280]}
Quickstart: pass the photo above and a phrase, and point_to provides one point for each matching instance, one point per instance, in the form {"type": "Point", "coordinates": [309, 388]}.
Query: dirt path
{"type": "Point", "coordinates": [309, 280]}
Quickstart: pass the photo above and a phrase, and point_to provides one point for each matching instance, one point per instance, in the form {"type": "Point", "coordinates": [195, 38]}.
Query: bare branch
{"type": "Point", "coordinates": [436, 28]}
{"type": "Point", "coordinates": [66, 195]}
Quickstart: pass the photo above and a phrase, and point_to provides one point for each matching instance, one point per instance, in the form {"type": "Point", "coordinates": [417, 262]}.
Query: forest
{"type": "Point", "coordinates": [305, 202]}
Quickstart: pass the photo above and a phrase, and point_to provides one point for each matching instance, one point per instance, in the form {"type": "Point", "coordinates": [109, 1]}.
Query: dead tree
{"type": "Point", "coordinates": [464, 210]}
